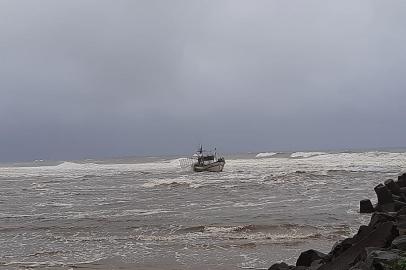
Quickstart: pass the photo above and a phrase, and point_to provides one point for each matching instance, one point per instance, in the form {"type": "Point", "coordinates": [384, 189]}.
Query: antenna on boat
{"type": "Point", "coordinates": [201, 149]}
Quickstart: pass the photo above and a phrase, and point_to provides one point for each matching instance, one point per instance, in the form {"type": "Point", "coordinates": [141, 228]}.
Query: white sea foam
{"type": "Point", "coordinates": [73, 169]}
{"type": "Point", "coordinates": [265, 154]}
{"type": "Point", "coordinates": [318, 163]}
{"type": "Point", "coordinates": [73, 165]}
{"type": "Point", "coordinates": [245, 233]}
{"type": "Point", "coordinates": [306, 154]}
{"type": "Point", "coordinates": [300, 161]}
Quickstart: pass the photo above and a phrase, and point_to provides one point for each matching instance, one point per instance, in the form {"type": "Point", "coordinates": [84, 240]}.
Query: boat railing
{"type": "Point", "coordinates": [187, 162]}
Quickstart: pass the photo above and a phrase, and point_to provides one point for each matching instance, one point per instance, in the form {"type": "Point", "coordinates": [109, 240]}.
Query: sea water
{"type": "Point", "coordinates": [149, 213]}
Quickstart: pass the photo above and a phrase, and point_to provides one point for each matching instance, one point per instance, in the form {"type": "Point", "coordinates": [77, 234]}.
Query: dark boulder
{"type": "Point", "coordinates": [401, 223]}
{"type": "Point", "coordinates": [340, 247]}
{"type": "Point", "coordinates": [400, 198]}
{"type": "Point", "coordinates": [392, 186]}
{"type": "Point", "coordinates": [363, 231]}
{"type": "Point", "coordinates": [315, 265]}
{"type": "Point", "coordinates": [360, 266]}
{"type": "Point", "coordinates": [345, 244]}
{"type": "Point", "coordinates": [365, 206]}
{"type": "Point", "coordinates": [380, 237]}
{"type": "Point", "coordinates": [383, 194]}
{"type": "Point", "coordinates": [306, 258]}
{"type": "Point", "coordinates": [379, 218]}
{"type": "Point", "coordinates": [280, 266]}
{"type": "Point", "coordinates": [386, 207]}
{"type": "Point", "coordinates": [401, 212]}
{"type": "Point", "coordinates": [399, 205]}
{"type": "Point", "coordinates": [402, 180]}
{"type": "Point", "coordinates": [399, 243]}
{"type": "Point", "coordinates": [396, 197]}
{"type": "Point", "coordinates": [382, 259]}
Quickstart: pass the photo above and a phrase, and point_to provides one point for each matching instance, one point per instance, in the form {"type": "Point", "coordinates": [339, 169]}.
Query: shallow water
{"type": "Point", "coordinates": [151, 213]}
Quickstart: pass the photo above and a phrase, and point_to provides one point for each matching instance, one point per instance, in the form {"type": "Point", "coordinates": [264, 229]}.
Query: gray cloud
{"type": "Point", "coordinates": [106, 78]}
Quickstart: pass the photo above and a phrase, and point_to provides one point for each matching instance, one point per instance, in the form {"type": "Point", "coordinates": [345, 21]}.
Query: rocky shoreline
{"type": "Point", "coordinates": [380, 245]}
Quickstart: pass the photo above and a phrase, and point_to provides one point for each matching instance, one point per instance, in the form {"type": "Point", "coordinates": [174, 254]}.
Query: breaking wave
{"type": "Point", "coordinates": [266, 154]}
{"type": "Point", "coordinates": [283, 233]}
{"type": "Point", "coordinates": [306, 154]}
{"type": "Point", "coordinates": [68, 164]}
{"type": "Point", "coordinates": [263, 228]}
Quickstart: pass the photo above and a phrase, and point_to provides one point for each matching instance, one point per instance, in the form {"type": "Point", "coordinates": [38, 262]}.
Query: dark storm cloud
{"type": "Point", "coordinates": [105, 78]}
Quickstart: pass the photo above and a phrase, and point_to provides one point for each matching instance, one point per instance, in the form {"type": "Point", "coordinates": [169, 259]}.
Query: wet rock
{"type": "Point", "coordinates": [380, 237]}
{"type": "Point", "coordinates": [378, 218]}
{"type": "Point", "coordinates": [360, 266]}
{"type": "Point", "coordinates": [392, 186]}
{"type": "Point", "coordinates": [365, 206]}
{"type": "Point", "coordinates": [399, 243]}
{"type": "Point", "coordinates": [383, 259]}
{"type": "Point", "coordinates": [316, 264]}
{"type": "Point", "coordinates": [306, 258]}
{"type": "Point", "coordinates": [402, 180]}
{"type": "Point", "coordinates": [363, 232]}
{"type": "Point", "coordinates": [401, 197]}
{"type": "Point", "coordinates": [401, 212]}
{"type": "Point", "coordinates": [386, 207]}
{"type": "Point", "coordinates": [340, 247]}
{"type": "Point", "coordinates": [280, 266]}
{"type": "Point", "coordinates": [383, 194]}
{"type": "Point", "coordinates": [399, 205]}
{"type": "Point", "coordinates": [345, 244]}
{"type": "Point", "coordinates": [401, 224]}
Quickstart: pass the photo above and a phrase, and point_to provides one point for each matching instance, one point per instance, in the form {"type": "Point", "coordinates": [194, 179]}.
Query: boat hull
{"type": "Point", "coordinates": [212, 167]}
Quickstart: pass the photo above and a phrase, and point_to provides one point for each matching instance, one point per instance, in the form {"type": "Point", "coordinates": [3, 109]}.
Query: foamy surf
{"type": "Point", "coordinates": [265, 154]}
{"type": "Point", "coordinates": [274, 233]}
{"type": "Point", "coordinates": [256, 211]}
{"type": "Point", "coordinates": [306, 154]}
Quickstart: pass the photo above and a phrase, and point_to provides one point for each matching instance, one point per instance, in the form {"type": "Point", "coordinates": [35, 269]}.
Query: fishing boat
{"type": "Point", "coordinates": [204, 161]}
{"type": "Point", "coordinates": [207, 161]}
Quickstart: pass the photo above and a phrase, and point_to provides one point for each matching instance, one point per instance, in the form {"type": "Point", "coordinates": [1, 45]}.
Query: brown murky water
{"type": "Point", "coordinates": [150, 214]}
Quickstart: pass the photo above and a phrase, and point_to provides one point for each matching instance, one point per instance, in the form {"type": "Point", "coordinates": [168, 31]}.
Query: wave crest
{"type": "Point", "coordinates": [265, 154]}
{"type": "Point", "coordinates": [306, 154]}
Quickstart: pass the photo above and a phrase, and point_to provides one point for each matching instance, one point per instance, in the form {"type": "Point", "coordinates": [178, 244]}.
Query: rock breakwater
{"type": "Point", "coordinates": [380, 245]}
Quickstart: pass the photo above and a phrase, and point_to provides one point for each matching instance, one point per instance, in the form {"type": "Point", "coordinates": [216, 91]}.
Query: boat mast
{"type": "Point", "coordinates": [200, 156]}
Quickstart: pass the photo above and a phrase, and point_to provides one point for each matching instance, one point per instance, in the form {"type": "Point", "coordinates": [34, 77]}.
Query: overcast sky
{"type": "Point", "coordinates": [83, 78]}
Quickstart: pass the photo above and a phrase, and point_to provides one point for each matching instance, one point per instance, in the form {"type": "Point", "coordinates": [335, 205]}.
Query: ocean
{"type": "Point", "coordinates": [149, 213]}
